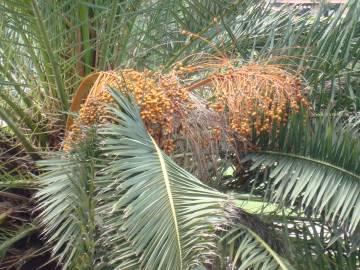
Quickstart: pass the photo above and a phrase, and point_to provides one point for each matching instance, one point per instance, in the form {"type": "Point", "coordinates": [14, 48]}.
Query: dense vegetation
{"type": "Point", "coordinates": [216, 135]}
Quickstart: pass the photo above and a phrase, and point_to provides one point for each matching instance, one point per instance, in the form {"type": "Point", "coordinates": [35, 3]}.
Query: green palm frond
{"type": "Point", "coordinates": [316, 167]}
{"type": "Point", "coordinates": [25, 33]}
{"type": "Point", "coordinates": [315, 244]}
{"type": "Point", "coordinates": [66, 205]}
{"type": "Point", "coordinates": [247, 250]}
{"type": "Point", "coordinates": [159, 212]}
{"type": "Point", "coordinates": [162, 217]}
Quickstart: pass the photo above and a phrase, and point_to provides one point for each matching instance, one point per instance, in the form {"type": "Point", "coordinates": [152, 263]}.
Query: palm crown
{"type": "Point", "coordinates": [255, 166]}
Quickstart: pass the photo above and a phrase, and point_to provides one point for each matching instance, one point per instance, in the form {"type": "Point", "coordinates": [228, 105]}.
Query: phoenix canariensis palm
{"type": "Point", "coordinates": [41, 37]}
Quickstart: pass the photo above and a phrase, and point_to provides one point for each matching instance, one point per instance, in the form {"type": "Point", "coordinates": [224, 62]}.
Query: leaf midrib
{"type": "Point", "coordinates": [171, 201]}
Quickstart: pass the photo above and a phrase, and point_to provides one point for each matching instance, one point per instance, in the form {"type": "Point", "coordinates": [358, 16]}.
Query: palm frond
{"type": "Point", "coordinates": [159, 212]}
{"type": "Point", "coordinates": [316, 244]}
{"type": "Point", "coordinates": [28, 146]}
{"type": "Point", "coordinates": [66, 205]}
{"type": "Point", "coordinates": [247, 250]}
{"type": "Point", "coordinates": [316, 167]}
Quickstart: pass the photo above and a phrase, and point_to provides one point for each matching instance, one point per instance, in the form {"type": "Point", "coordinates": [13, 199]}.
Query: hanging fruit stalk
{"type": "Point", "coordinates": [251, 97]}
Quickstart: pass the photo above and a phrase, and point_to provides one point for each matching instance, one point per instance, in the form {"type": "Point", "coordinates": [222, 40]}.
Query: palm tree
{"type": "Point", "coordinates": [297, 197]}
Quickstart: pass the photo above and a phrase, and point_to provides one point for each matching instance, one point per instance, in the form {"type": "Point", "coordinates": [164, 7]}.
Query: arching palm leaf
{"type": "Point", "coordinates": [66, 205]}
{"type": "Point", "coordinates": [316, 166]}
{"type": "Point", "coordinates": [162, 217]}
{"type": "Point", "coordinates": [167, 216]}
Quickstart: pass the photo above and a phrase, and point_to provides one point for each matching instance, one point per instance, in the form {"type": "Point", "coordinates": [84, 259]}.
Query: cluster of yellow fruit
{"type": "Point", "coordinates": [91, 112]}
{"type": "Point", "coordinates": [159, 97]}
{"type": "Point", "coordinates": [257, 98]}
{"type": "Point", "coordinates": [251, 98]}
